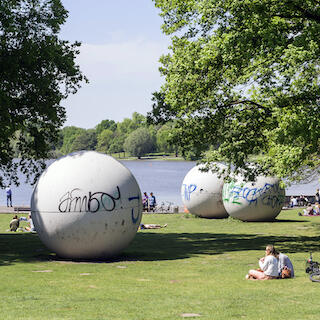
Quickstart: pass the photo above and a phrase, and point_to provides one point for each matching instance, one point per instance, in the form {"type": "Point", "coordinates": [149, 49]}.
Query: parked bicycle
{"type": "Point", "coordinates": [312, 267]}
{"type": "Point", "coordinates": [165, 207]}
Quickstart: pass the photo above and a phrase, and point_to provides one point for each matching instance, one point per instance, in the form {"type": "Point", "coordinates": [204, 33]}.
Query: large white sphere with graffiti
{"type": "Point", "coordinates": [86, 205]}
{"type": "Point", "coordinates": [201, 193]}
{"type": "Point", "coordinates": [261, 200]}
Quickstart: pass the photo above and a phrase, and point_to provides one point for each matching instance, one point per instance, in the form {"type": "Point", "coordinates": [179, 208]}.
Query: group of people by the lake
{"type": "Point", "coordinates": [311, 208]}
{"type": "Point", "coordinates": [303, 200]}
{"type": "Point", "coordinates": [274, 265]}
{"type": "Point", "coordinates": [149, 202]}
{"type": "Point", "coordinates": [15, 224]}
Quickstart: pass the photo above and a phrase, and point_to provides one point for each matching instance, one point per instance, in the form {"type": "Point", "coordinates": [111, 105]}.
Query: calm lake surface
{"type": "Point", "coordinates": [163, 178]}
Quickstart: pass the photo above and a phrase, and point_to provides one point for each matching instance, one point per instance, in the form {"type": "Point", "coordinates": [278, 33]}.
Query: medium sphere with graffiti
{"type": "Point", "coordinates": [201, 193]}
{"type": "Point", "coordinates": [86, 205]}
{"type": "Point", "coordinates": [261, 200]}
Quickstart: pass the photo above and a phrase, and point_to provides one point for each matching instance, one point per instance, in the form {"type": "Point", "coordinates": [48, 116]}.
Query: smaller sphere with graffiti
{"type": "Point", "coordinates": [86, 205]}
{"type": "Point", "coordinates": [201, 193]}
{"type": "Point", "coordinates": [261, 200]}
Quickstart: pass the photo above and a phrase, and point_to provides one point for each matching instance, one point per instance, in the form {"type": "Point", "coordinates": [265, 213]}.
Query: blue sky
{"type": "Point", "coordinates": [122, 42]}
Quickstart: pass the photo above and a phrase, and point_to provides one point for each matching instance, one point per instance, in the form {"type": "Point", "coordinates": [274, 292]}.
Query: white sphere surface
{"type": "Point", "coordinates": [86, 205]}
{"type": "Point", "coordinates": [261, 200]}
{"type": "Point", "coordinates": [201, 193]}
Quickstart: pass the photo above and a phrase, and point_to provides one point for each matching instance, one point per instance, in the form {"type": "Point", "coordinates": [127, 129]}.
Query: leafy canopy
{"type": "Point", "coordinates": [37, 71]}
{"type": "Point", "coordinates": [139, 142]}
{"type": "Point", "coordinates": [243, 76]}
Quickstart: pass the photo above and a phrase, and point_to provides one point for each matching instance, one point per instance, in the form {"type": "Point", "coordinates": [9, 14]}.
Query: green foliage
{"type": "Point", "coordinates": [105, 124]}
{"type": "Point", "coordinates": [244, 76]}
{"type": "Point", "coordinates": [105, 139]}
{"type": "Point", "coordinates": [37, 71]}
{"type": "Point", "coordinates": [117, 143]}
{"type": "Point", "coordinates": [69, 135]}
{"type": "Point", "coordinates": [138, 120]}
{"type": "Point", "coordinates": [87, 140]}
{"type": "Point", "coordinates": [139, 142]}
{"type": "Point", "coordinates": [164, 135]}
{"type": "Point", "coordinates": [109, 137]}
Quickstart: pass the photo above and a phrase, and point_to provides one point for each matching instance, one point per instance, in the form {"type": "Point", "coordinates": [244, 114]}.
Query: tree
{"type": "Point", "coordinates": [104, 141]}
{"type": "Point", "coordinates": [139, 142]}
{"type": "Point", "coordinates": [105, 124]}
{"type": "Point", "coordinates": [117, 143]}
{"type": "Point", "coordinates": [244, 75]}
{"type": "Point", "coordinates": [138, 120]}
{"type": "Point", "coordinates": [87, 140]}
{"type": "Point", "coordinates": [70, 134]}
{"type": "Point", "coordinates": [37, 71]}
{"type": "Point", "coordinates": [164, 142]}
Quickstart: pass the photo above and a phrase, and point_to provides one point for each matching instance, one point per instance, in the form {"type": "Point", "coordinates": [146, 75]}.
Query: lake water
{"type": "Point", "coordinates": [163, 178]}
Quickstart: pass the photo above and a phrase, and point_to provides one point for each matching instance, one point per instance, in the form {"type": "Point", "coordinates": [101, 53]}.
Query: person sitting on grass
{"type": "Point", "coordinates": [151, 226]}
{"type": "Point", "coordinates": [285, 266]}
{"type": "Point", "coordinates": [30, 226]}
{"type": "Point", "coordinates": [308, 211]}
{"type": "Point", "coordinates": [14, 223]}
{"type": "Point", "coordinates": [268, 266]}
{"type": "Point", "coordinates": [317, 209]}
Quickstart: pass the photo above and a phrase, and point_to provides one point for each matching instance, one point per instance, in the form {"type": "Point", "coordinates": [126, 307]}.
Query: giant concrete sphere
{"type": "Point", "coordinates": [201, 193]}
{"type": "Point", "coordinates": [86, 205]}
{"type": "Point", "coordinates": [261, 200]}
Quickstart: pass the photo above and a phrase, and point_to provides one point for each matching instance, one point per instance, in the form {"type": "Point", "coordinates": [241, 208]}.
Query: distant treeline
{"type": "Point", "coordinates": [133, 137]}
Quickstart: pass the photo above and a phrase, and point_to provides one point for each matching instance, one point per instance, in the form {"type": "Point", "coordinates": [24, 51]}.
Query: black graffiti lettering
{"type": "Point", "coordinates": [108, 200]}
{"type": "Point", "coordinates": [64, 202]}
{"type": "Point", "coordinates": [93, 202]}
{"type": "Point", "coordinates": [71, 202]}
{"type": "Point", "coordinates": [82, 202]}
{"type": "Point", "coordinates": [67, 200]}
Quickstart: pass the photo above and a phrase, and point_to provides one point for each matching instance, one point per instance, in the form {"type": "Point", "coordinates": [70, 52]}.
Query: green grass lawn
{"type": "Point", "coordinates": [194, 266]}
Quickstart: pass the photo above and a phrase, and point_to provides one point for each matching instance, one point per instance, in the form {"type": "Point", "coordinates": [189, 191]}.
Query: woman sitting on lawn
{"type": "Point", "coordinates": [268, 266]}
{"type": "Point", "coordinates": [30, 226]}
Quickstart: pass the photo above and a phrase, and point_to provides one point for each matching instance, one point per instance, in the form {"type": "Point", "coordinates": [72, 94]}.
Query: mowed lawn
{"type": "Point", "coordinates": [194, 268]}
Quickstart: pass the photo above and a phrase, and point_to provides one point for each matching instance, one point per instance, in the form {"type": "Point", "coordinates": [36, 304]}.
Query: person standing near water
{"type": "Point", "coordinates": [145, 202]}
{"type": "Point", "coordinates": [9, 196]}
{"type": "Point", "coordinates": [152, 202]}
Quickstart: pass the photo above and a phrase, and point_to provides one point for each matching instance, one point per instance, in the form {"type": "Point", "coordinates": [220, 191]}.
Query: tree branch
{"type": "Point", "coordinates": [247, 102]}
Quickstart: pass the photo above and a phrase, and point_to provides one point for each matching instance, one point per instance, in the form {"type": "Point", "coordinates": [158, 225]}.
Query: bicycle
{"type": "Point", "coordinates": [312, 267]}
{"type": "Point", "coordinates": [165, 208]}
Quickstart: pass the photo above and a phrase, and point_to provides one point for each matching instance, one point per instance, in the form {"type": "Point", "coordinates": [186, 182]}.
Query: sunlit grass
{"type": "Point", "coordinates": [193, 266]}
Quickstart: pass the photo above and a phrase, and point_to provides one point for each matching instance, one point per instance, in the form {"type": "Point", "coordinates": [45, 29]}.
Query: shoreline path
{"type": "Point", "coordinates": [14, 209]}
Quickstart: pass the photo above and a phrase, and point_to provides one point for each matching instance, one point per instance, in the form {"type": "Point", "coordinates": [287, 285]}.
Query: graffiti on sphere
{"type": "Point", "coordinates": [76, 201]}
{"type": "Point", "coordinates": [269, 194]}
{"type": "Point", "coordinates": [133, 218]}
{"type": "Point", "coordinates": [188, 189]}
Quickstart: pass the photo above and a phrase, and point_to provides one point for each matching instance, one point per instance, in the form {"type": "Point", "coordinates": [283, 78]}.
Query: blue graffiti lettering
{"type": "Point", "coordinates": [133, 218]}
{"type": "Point", "coordinates": [252, 195]}
{"type": "Point", "coordinates": [188, 189]}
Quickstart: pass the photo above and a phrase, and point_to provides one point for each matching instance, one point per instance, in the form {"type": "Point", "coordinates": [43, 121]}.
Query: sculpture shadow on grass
{"type": "Point", "coordinates": [153, 246]}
